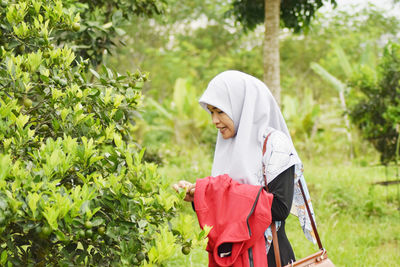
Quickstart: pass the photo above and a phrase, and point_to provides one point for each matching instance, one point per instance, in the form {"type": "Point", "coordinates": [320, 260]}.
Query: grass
{"type": "Point", "coordinates": [358, 222]}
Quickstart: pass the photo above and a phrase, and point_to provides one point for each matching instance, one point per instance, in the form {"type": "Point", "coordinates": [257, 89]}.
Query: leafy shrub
{"type": "Point", "coordinates": [73, 187]}
{"type": "Point", "coordinates": [375, 107]}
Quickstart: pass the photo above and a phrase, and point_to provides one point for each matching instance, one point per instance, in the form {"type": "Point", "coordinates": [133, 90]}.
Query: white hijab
{"type": "Point", "coordinates": [254, 111]}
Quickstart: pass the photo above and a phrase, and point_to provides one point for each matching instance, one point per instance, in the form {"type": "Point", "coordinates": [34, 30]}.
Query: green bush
{"type": "Point", "coordinates": [73, 187]}
{"type": "Point", "coordinates": [375, 104]}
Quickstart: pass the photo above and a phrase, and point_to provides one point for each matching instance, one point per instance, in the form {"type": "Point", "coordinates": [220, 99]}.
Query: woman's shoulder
{"type": "Point", "coordinates": [279, 141]}
{"type": "Point", "coordinates": [278, 154]}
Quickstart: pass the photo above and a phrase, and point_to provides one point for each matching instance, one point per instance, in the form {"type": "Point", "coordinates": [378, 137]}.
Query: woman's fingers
{"type": "Point", "coordinates": [175, 187]}
{"type": "Point", "coordinates": [180, 184]}
{"type": "Point", "coordinates": [191, 191]}
{"type": "Point", "coordinates": [189, 195]}
{"type": "Point", "coordinates": [184, 185]}
{"type": "Point", "coordinates": [189, 187]}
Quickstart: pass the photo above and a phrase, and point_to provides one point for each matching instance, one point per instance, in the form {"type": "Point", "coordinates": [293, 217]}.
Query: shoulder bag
{"type": "Point", "coordinates": [319, 258]}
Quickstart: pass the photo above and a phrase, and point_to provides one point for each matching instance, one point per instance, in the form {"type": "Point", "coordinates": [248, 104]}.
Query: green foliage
{"type": "Point", "coordinates": [302, 118]}
{"type": "Point", "coordinates": [88, 27]}
{"type": "Point", "coordinates": [376, 104]}
{"type": "Point", "coordinates": [173, 47]}
{"type": "Point", "coordinates": [214, 45]}
{"type": "Point", "coordinates": [100, 22]}
{"type": "Point", "coordinates": [360, 37]}
{"type": "Point", "coordinates": [342, 89]}
{"type": "Point", "coordinates": [294, 14]}
{"type": "Point", "coordinates": [192, 10]}
{"type": "Point", "coordinates": [180, 120]}
{"type": "Point", "coordinates": [74, 189]}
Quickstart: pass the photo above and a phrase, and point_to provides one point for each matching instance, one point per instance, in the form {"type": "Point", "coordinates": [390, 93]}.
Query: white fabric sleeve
{"type": "Point", "coordinates": [278, 155]}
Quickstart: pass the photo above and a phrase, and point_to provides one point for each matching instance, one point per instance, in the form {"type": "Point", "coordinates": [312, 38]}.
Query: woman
{"type": "Point", "coordinates": [245, 113]}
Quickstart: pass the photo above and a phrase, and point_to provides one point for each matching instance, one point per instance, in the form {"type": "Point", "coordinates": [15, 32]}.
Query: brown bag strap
{"type": "Point", "coordinates": [276, 245]}
{"type": "Point", "coordinates": [273, 226]}
{"type": "Point", "coordinates": [313, 225]}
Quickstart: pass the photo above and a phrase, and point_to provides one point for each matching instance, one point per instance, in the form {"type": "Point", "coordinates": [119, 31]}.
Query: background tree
{"type": "Point", "coordinates": [376, 104]}
{"type": "Point", "coordinates": [293, 14]}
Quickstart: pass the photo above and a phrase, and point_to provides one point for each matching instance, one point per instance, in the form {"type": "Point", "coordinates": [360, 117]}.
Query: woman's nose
{"type": "Point", "coordinates": [215, 118]}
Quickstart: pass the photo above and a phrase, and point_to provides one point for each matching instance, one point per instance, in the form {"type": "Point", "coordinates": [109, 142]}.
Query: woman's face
{"type": "Point", "coordinates": [222, 121]}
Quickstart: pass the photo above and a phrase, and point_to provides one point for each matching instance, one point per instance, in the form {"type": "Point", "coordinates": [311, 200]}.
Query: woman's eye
{"type": "Point", "coordinates": [218, 111]}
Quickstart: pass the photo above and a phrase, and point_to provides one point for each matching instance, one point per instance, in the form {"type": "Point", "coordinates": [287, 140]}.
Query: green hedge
{"type": "Point", "coordinates": [73, 187]}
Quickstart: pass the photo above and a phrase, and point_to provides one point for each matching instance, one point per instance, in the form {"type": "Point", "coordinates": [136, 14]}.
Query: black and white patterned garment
{"type": "Point", "coordinates": [276, 160]}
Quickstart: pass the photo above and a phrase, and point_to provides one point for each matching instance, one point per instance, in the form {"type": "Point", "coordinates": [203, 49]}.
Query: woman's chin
{"type": "Point", "coordinates": [227, 135]}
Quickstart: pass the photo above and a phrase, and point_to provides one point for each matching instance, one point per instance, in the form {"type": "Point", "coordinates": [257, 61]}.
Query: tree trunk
{"type": "Point", "coordinates": [271, 48]}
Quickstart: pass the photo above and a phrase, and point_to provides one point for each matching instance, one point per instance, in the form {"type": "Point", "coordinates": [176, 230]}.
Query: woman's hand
{"type": "Point", "coordinates": [189, 188]}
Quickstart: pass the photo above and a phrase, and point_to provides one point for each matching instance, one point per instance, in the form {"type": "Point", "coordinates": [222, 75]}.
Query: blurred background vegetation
{"type": "Point", "coordinates": [193, 41]}
{"type": "Point", "coordinates": [340, 98]}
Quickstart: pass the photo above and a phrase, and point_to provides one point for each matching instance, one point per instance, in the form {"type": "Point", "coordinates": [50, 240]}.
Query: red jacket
{"type": "Point", "coordinates": [239, 214]}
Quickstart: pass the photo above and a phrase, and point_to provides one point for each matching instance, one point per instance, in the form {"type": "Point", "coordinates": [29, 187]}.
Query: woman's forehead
{"type": "Point", "coordinates": [211, 107]}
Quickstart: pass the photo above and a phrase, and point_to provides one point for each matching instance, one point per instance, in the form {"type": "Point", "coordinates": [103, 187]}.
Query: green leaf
{"type": "Point", "coordinates": [118, 140]}
{"type": "Point", "coordinates": [51, 214]}
{"type": "Point", "coordinates": [33, 200]}
{"type": "Point", "coordinates": [95, 73]}
{"type": "Point", "coordinates": [107, 25]}
{"type": "Point", "coordinates": [44, 78]}
{"type": "Point", "coordinates": [107, 96]}
{"type": "Point", "coordinates": [64, 113]}
{"type": "Point", "coordinates": [95, 159]}
{"type": "Point", "coordinates": [21, 120]}
{"type": "Point", "coordinates": [97, 221]}
{"type": "Point", "coordinates": [34, 60]}
{"type": "Point", "coordinates": [118, 115]}
{"type": "Point", "coordinates": [120, 31]}
{"type": "Point", "coordinates": [60, 235]}
{"type": "Point", "coordinates": [109, 72]}
{"type": "Point", "coordinates": [5, 166]}
{"type": "Point", "coordinates": [4, 256]}
{"type": "Point", "coordinates": [343, 60]}
{"type": "Point", "coordinates": [3, 204]}
{"type": "Point", "coordinates": [121, 77]}
{"type": "Point", "coordinates": [118, 100]}
{"type": "Point", "coordinates": [335, 82]}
